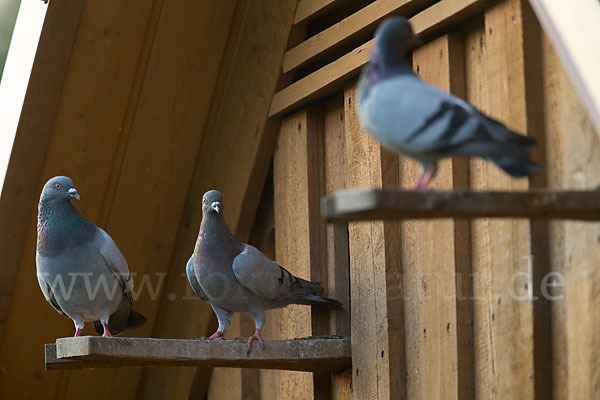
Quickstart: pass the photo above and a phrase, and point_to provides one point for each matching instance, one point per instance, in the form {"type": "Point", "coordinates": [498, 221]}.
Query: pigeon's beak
{"type": "Point", "coordinates": [216, 205]}
{"type": "Point", "coordinates": [73, 193]}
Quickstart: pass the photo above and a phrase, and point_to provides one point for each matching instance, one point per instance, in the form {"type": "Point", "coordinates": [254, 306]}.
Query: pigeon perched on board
{"type": "Point", "coordinates": [420, 121]}
{"type": "Point", "coordinates": [236, 277]}
{"type": "Point", "coordinates": [81, 271]}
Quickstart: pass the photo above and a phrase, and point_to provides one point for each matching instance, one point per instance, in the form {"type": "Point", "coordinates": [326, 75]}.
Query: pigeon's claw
{"type": "Point", "coordinates": [251, 339]}
{"type": "Point", "coordinates": [218, 335]}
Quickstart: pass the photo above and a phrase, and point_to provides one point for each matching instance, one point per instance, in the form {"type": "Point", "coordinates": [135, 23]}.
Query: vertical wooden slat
{"type": "Point", "coordinates": [573, 151]}
{"type": "Point", "coordinates": [337, 234]}
{"type": "Point", "coordinates": [378, 355]}
{"type": "Point", "coordinates": [429, 250]}
{"type": "Point", "coordinates": [501, 249]}
{"type": "Point", "coordinates": [299, 242]}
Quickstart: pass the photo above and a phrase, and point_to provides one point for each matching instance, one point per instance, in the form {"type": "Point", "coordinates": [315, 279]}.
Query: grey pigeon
{"type": "Point", "coordinates": [415, 119]}
{"type": "Point", "coordinates": [81, 271]}
{"type": "Point", "coordinates": [236, 277]}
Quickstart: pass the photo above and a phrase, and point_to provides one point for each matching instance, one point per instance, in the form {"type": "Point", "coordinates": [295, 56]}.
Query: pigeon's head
{"type": "Point", "coordinates": [393, 38]}
{"type": "Point", "coordinates": [212, 203]}
{"type": "Point", "coordinates": [60, 188]}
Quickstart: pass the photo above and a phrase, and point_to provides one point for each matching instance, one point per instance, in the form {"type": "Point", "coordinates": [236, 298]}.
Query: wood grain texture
{"type": "Point", "coordinates": [332, 77]}
{"type": "Point", "coordinates": [503, 321]}
{"type": "Point", "coordinates": [376, 286]}
{"type": "Point", "coordinates": [360, 23]}
{"type": "Point", "coordinates": [573, 148]}
{"type": "Point", "coordinates": [315, 354]}
{"type": "Point", "coordinates": [388, 204]}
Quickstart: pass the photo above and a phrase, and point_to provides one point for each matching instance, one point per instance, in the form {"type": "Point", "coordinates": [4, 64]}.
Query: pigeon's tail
{"type": "Point", "coordinates": [518, 167]}
{"type": "Point", "coordinates": [126, 317]}
{"type": "Point", "coordinates": [315, 300]}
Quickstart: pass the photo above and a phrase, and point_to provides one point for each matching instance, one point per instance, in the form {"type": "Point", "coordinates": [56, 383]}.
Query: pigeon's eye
{"type": "Point", "coordinates": [57, 185]}
{"type": "Point", "coordinates": [204, 201]}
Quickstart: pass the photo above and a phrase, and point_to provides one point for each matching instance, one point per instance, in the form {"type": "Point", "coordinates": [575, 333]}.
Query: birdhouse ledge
{"type": "Point", "coordinates": [323, 354]}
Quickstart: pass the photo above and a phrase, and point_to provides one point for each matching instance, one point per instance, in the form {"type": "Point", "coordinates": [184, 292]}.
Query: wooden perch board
{"type": "Point", "coordinates": [311, 354]}
{"type": "Point", "coordinates": [372, 204]}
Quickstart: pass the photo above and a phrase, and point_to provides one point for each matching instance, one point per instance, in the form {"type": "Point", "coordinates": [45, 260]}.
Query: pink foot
{"type": "Point", "coordinates": [217, 335]}
{"type": "Point", "coordinates": [424, 179]}
{"type": "Point", "coordinates": [251, 339]}
{"type": "Point", "coordinates": [77, 332]}
{"type": "Point", "coordinates": [106, 331]}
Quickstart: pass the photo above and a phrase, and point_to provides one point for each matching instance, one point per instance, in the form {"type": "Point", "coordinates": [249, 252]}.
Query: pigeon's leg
{"type": "Point", "coordinates": [224, 318]}
{"type": "Point", "coordinates": [104, 321]}
{"type": "Point", "coordinates": [428, 171]}
{"type": "Point", "coordinates": [259, 319]}
{"type": "Point", "coordinates": [78, 328]}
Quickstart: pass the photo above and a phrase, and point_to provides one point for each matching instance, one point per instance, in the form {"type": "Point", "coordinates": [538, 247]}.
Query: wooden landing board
{"type": "Point", "coordinates": [312, 354]}
{"type": "Point", "coordinates": [371, 204]}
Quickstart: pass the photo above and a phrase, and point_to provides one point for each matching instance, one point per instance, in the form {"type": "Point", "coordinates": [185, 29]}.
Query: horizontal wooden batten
{"type": "Point", "coordinates": [347, 29]}
{"type": "Point", "coordinates": [310, 354]}
{"type": "Point", "coordinates": [333, 76]}
{"type": "Point", "coordinates": [373, 204]}
{"type": "Point", "coordinates": [309, 9]}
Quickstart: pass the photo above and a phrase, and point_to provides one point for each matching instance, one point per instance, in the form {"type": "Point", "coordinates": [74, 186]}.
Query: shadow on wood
{"type": "Point", "coordinates": [310, 354]}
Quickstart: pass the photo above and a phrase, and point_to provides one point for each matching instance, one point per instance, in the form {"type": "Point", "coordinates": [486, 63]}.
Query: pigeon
{"type": "Point", "coordinates": [80, 269]}
{"type": "Point", "coordinates": [236, 277]}
{"type": "Point", "coordinates": [420, 121]}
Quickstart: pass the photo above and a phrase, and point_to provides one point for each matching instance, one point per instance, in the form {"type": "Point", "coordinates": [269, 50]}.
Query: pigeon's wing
{"type": "Point", "coordinates": [189, 270]}
{"type": "Point", "coordinates": [47, 291]}
{"type": "Point", "coordinates": [267, 279]}
{"type": "Point", "coordinates": [116, 263]}
{"type": "Point", "coordinates": [413, 117]}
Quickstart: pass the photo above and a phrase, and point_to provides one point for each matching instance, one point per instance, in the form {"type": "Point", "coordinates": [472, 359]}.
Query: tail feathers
{"type": "Point", "coordinates": [314, 300]}
{"type": "Point", "coordinates": [126, 317]}
{"type": "Point", "coordinates": [517, 167]}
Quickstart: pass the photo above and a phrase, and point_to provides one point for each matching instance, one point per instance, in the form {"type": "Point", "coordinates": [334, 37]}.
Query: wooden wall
{"type": "Point", "coordinates": [147, 104]}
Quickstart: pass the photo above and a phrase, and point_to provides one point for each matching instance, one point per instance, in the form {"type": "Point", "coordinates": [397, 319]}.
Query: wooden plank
{"type": "Point", "coordinates": [338, 260]}
{"type": "Point", "coordinates": [429, 287]}
{"type": "Point", "coordinates": [333, 76]}
{"type": "Point", "coordinates": [377, 313]}
{"type": "Point", "coordinates": [501, 248]}
{"type": "Point", "coordinates": [370, 204]}
{"type": "Point", "coordinates": [299, 238]}
{"type": "Point", "coordinates": [310, 9]}
{"type": "Point", "coordinates": [574, 249]}
{"type": "Point", "coordinates": [573, 28]}
{"type": "Point", "coordinates": [311, 354]}
{"type": "Point", "coordinates": [356, 25]}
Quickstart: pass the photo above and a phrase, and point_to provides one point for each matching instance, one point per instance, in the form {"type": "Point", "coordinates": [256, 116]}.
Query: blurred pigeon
{"type": "Point", "coordinates": [233, 277]}
{"type": "Point", "coordinates": [81, 271]}
{"type": "Point", "coordinates": [413, 118]}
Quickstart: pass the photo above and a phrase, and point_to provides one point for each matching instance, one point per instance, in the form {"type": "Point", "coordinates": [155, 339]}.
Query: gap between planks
{"type": "Point", "coordinates": [327, 354]}
{"type": "Point", "coordinates": [373, 204]}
